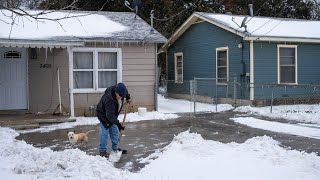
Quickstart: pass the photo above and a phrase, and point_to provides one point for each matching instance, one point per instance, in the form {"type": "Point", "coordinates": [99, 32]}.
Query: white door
{"type": "Point", "coordinates": [13, 79]}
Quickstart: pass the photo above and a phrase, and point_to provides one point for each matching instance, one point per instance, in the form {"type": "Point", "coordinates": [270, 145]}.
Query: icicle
{"type": "Point", "coordinates": [46, 55]}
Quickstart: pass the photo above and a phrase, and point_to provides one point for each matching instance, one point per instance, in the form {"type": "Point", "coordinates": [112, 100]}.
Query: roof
{"type": "Point", "coordinates": [75, 27]}
{"type": "Point", "coordinates": [258, 28]}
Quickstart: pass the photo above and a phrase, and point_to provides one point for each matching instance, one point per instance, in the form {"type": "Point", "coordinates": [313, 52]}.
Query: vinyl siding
{"type": "Point", "coordinates": [266, 68]}
{"type": "Point", "coordinates": [138, 74]}
{"type": "Point", "coordinates": [198, 45]}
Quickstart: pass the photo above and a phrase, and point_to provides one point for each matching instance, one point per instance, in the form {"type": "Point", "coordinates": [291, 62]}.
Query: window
{"type": "Point", "coordinates": [222, 65]}
{"type": "Point", "coordinates": [178, 67]}
{"type": "Point", "coordinates": [287, 64]}
{"type": "Point", "coordinates": [94, 70]}
{"type": "Point", "coordinates": [11, 55]}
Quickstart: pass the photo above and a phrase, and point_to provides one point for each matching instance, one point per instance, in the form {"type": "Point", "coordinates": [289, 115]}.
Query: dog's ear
{"type": "Point", "coordinates": [74, 131]}
{"type": "Point", "coordinates": [67, 132]}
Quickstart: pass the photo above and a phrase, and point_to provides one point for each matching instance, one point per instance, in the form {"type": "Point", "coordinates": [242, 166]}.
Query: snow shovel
{"type": "Point", "coordinates": [123, 121]}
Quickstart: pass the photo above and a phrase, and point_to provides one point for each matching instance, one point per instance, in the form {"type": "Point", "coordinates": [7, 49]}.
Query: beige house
{"type": "Point", "coordinates": [63, 61]}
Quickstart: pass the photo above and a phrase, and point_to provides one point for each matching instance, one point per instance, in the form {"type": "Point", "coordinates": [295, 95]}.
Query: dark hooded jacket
{"type": "Point", "coordinates": [108, 107]}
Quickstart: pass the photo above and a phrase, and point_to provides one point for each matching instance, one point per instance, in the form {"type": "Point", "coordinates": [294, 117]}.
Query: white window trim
{"type": "Point", "coordinates": [175, 67]}
{"type": "Point", "coordinates": [222, 49]}
{"type": "Point", "coordinates": [296, 62]}
{"type": "Point", "coordinates": [95, 52]}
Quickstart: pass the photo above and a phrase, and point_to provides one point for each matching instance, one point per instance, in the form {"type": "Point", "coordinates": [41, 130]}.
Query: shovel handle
{"type": "Point", "coordinates": [123, 121]}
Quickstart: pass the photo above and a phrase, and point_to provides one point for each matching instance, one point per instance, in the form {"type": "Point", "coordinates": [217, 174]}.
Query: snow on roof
{"type": "Point", "coordinates": [260, 27]}
{"type": "Point", "coordinates": [75, 26]}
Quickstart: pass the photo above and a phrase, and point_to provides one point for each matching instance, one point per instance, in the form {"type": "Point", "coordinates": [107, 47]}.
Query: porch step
{"type": "Point", "coordinates": [25, 126]}
{"type": "Point", "coordinates": [58, 120]}
{"type": "Point", "coordinates": [14, 112]}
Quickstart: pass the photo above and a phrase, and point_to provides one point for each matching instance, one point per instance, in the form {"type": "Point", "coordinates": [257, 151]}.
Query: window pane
{"type": "Point", "coordinates": [287, 52]}
{"type": "Point", "coordinates": [287, 60]}
{"type": "Point", "coordinates": [82, 79]}
{"type": "Point", "coordinates": [179, 68]}
{"type": "Point", "coordinates": [287, 74]}
{"type": "Point", "coordinates": [222, 58]}
{"type": "Point", "coordinates": [107, 79]}
{"type": "Point", "coordinates": [222, 54]}
{"type": "Point", "coordinates": [82, 60]}
{"type": "Point", "coordinates": [222, 74]}
{"type": "Point", "coordinates": [222, 62]}
{"type": "Point", "coordinates": [107, 60]}
{"type": "Point", "coordinates": [179, 58]}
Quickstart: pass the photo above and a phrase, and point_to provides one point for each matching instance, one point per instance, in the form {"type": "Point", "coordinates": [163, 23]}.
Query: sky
{"type": "Point", "coordinates": [188, 156]}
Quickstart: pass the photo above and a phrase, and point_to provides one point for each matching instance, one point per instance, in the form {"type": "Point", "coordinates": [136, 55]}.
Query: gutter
{"type": "Point", "coordinates": [39, 43]}
{"type": "Point", "coordinates": [285, 39]}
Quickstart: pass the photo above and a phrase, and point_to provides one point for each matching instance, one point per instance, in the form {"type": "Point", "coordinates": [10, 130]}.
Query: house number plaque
{"type": "Point", "coordinates": [45, 65]}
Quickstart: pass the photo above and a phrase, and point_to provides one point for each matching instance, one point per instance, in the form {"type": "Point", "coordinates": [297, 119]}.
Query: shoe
{"type": "Point", "coordinates": [123, 151]}
{"type": "Point", "coordinates": [104, 154]}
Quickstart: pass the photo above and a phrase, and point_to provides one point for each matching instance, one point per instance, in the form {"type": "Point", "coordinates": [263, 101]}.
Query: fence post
{"type": "Point", "coordinates": [191, 91]}
{"type": "Point", "coordinates": [234, 92]}
{"type": "Point", "coordinates": [271, 100]}
{"type": "Point", "coordinates": [194, 95]}
{"type": "Point", "coordinates": [216, 98]}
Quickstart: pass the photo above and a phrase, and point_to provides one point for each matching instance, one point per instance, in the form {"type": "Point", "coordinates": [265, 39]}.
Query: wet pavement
{"type": "Point", "coordinates": [145, 137]}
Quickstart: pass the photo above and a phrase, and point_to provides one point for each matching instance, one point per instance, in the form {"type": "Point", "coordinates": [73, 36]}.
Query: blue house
{"type": "Point", "coordinates": [247, 54]}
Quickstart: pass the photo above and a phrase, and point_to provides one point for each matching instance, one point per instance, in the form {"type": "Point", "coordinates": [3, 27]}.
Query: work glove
{"type": "Point", "coordinates": [128, 99]}
{"type": "Point", "coordinates": [120, 127]}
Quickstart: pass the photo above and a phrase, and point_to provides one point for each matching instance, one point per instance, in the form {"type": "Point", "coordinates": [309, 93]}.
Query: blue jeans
{"type": "Point", "coordinates": [113, 131]}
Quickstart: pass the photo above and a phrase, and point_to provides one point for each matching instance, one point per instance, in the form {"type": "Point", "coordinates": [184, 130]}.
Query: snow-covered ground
{"type": "Point", "coordinates": [188, 156]}
{"type": "Point", "coordinates": [302, 113]}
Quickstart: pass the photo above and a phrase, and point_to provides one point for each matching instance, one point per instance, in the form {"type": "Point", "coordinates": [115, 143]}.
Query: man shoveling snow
{"type": "Point", "coordinates": [108, 111]}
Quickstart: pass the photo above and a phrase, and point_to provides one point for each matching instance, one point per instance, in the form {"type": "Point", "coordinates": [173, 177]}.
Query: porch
{"type": "Point", "coordinates": [22, 119]}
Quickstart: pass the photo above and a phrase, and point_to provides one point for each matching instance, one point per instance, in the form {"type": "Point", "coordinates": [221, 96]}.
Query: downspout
{"type": "Point", "coordinates": [251, 71]}
{"type": "Point", "coordinates": [71, 81]}
{"type": "Point", "coordinates": [157, 78]}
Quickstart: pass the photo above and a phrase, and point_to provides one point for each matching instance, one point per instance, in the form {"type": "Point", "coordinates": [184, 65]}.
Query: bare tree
{"type": "Point", "coordinates": [316, 10]}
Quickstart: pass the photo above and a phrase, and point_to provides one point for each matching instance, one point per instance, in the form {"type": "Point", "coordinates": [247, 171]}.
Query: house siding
{"type": "Point", "coordinates": [266, 68]}
{"type": "Point", "coordinates": [138, 74]}
{"type": "Point", "coordinates": [198, 45]}
{"type": "Point", "coordinates": [43, 82]}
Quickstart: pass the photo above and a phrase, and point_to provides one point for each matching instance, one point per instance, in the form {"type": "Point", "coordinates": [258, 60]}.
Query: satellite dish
{"type": "Point", "coordinates": [243, 24]}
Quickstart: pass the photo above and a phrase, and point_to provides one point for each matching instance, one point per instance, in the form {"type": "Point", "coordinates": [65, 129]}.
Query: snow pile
{"type": "Point", "coordinates": [189, 156]}
{"type": "Point", "coordinates": [22, 158]}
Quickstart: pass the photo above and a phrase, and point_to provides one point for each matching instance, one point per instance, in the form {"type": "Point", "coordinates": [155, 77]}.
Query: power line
{"type": "Point", "coordinates": [273, 18]}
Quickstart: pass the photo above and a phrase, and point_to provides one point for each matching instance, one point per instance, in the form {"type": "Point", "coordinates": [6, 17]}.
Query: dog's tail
{"type": "Point", "coordinates": [89, 131]}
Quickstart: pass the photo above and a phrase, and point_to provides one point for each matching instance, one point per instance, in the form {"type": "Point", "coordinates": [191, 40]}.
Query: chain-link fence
{"type": "Point", "coordinates": [201, 91]}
